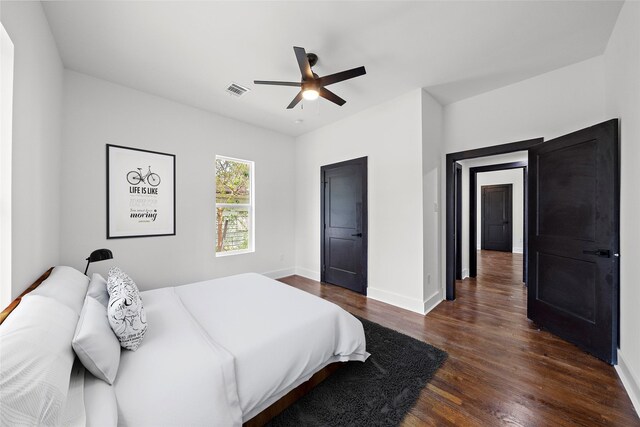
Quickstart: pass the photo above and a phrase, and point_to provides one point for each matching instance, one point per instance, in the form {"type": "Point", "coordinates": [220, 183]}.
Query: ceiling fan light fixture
{"type": "Point", "coordinates": [311, 85]}
{"type": "Point", "coordinates": [310, 94]}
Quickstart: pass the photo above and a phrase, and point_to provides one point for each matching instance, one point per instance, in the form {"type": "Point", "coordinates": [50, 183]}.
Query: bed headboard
{"type": "Point", "coordinates": [16, 301]}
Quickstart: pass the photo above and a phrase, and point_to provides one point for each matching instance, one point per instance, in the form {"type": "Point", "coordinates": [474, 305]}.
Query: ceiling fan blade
{"type": "Point", "coordinates": [295, 101]}
{"type": "Point", "coordinates": [341, 76]}
{"type": "Point", "coordinates": [327, 94]}
{"type": "Point", "coordinates": [303, 63]}
{"type": "Point", "coordinates": [268, 82]}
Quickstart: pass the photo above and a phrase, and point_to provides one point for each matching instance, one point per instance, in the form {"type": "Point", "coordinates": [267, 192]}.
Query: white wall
{"type": "Point", "coordinates": [432, 139]}
{"type": "Point", "coordinates": [37, 97]}
{"type": "Point", "coordinates": [515, 178]}
{"type": "Point", "coordinates": [6, 124]}
{"type": "Point", "coordinates": [97, 112]}
{"type": "Point", "coordinates": [390, 136]}
{"type": "Point", "coordinates": [622, 76]}
{"type": "Point", "coordinates": [548, 105]}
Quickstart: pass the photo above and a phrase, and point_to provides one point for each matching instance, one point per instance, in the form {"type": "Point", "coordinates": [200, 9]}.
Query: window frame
{"type": "Point", "coordinates": [250, 207]}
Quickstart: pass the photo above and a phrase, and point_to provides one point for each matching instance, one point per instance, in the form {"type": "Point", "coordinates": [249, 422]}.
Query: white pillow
{"type": "Point", "coordinates": [36, 360]}
{"type": "Point", "coordinates": [98, 289]}
{"type": "Point", "coordinates": [66, 285]}
{"type": "Point", "coordinates": [94, 342]}
{"type": "Point", "coordinates": [126, 314]}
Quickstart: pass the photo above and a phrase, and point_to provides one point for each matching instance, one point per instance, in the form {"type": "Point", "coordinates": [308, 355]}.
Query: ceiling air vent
{"type": "Point", "coordinates": [237, 90]}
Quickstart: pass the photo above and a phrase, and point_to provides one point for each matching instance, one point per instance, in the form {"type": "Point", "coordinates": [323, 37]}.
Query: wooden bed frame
{"type": "Point", "coordinates": [16, 301]}
{"type": "Point", "coordinates": [259, 420]}
{"type": "Point", "coordinates": [290, 398]}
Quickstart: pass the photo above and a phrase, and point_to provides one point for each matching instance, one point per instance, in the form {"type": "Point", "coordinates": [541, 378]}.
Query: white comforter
{"type": "Point", "coordinates": [219, 352]}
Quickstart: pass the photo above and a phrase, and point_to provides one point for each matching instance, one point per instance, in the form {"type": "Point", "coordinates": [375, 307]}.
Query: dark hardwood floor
{"type": "Point", "coordinates": [501, 369]}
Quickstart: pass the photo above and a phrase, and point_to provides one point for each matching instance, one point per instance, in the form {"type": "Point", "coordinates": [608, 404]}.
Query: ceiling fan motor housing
{"type": "Point", "coordinates": [312, 58]}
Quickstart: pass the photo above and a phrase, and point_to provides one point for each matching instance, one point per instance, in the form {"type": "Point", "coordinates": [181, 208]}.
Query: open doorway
{"type": "Point", "coordinates": [514, 172]}
{"type": "Point", "coordinates": [500, 154]}
{"type": "Point", "coordinates": [491, 216]}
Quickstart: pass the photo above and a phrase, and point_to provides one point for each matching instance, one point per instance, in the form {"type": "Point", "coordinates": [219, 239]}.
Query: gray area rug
{"type": "Point", "coordinates": [378, 392]}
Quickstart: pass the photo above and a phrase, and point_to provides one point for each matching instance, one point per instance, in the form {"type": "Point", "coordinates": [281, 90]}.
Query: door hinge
{"type": "Point", "coordinates": [324, 268]}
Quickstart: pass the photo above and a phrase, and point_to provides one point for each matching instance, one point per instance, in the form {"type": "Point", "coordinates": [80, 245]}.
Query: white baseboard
{"type": "Point", "coordinates": [465, 273]}
{"type": "Point", "coordinates": [398, 300]}
{"type": "Point", "coordinates": [415, 305]}
{"type": "Point", "coordinates": [309, 274]}
{"type": "Point", "coordinates": [630, 381]}
{"type": "Point", "coordinates": [277, 274]}
{"type": "Point", "coordinates": [432, 302]}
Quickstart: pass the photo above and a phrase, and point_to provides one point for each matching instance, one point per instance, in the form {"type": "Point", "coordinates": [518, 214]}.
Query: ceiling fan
{"type": "Point", "coordinates": [311, 86]}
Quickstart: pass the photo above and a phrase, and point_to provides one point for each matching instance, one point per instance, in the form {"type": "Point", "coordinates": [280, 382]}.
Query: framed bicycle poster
{"type": "Point", "coordinates": [141, 193]}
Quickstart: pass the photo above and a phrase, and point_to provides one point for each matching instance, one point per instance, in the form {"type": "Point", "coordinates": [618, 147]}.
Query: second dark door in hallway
{"type": "Point", "coordinates": [496, 218]}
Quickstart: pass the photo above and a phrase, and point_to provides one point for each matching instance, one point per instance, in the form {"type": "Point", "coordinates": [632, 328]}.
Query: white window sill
{"type": "Point", "coordinates": [229, 253]}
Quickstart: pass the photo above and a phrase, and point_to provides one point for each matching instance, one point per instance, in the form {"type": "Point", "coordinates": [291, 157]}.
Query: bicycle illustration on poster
{"type": "Point", "coordinates": [141, 198]}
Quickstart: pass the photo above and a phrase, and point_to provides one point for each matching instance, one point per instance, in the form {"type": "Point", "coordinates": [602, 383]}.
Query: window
{"type": "Point", "coordinates": [234, 206]}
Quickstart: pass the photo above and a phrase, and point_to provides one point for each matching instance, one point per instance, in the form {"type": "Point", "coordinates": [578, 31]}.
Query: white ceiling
{"type": "Point", "coordinates": [190, 51]}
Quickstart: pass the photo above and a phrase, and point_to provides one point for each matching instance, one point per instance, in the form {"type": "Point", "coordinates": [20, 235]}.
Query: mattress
{"type": "Point", "coordinates": [218, 352]}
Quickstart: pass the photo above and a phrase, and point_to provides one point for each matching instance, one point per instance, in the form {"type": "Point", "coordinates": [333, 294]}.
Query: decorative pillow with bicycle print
{"type": "Point", "coordinates": [125, 311]}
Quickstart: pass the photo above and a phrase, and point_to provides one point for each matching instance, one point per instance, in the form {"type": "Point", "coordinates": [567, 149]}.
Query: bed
{"type": "Point", "coordinates": [219, 352]}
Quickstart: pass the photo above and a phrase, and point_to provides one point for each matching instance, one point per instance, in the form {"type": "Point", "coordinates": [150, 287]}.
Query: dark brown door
{"type": "Point", "coordinates": [458, 229]}
{"type": "Point", "coordinates": [344, 224]}
{"type": "Point", "coordinates": [496, 219]}
{"type": "Point", "coordinates": [573, 238]}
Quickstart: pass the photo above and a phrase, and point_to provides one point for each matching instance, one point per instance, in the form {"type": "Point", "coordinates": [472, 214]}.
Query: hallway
{"type": "Point", "coordinates": [501, 369]}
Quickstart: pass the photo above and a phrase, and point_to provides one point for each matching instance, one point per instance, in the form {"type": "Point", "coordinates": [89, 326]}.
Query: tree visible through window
{"type": "Point", "coordinates": [234, 205]}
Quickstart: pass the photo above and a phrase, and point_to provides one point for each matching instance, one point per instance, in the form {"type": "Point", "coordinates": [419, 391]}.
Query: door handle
{"type": "Point", "coordinates": [605, 253]}
{"type": "Point", "coordinates": [357, 235]}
